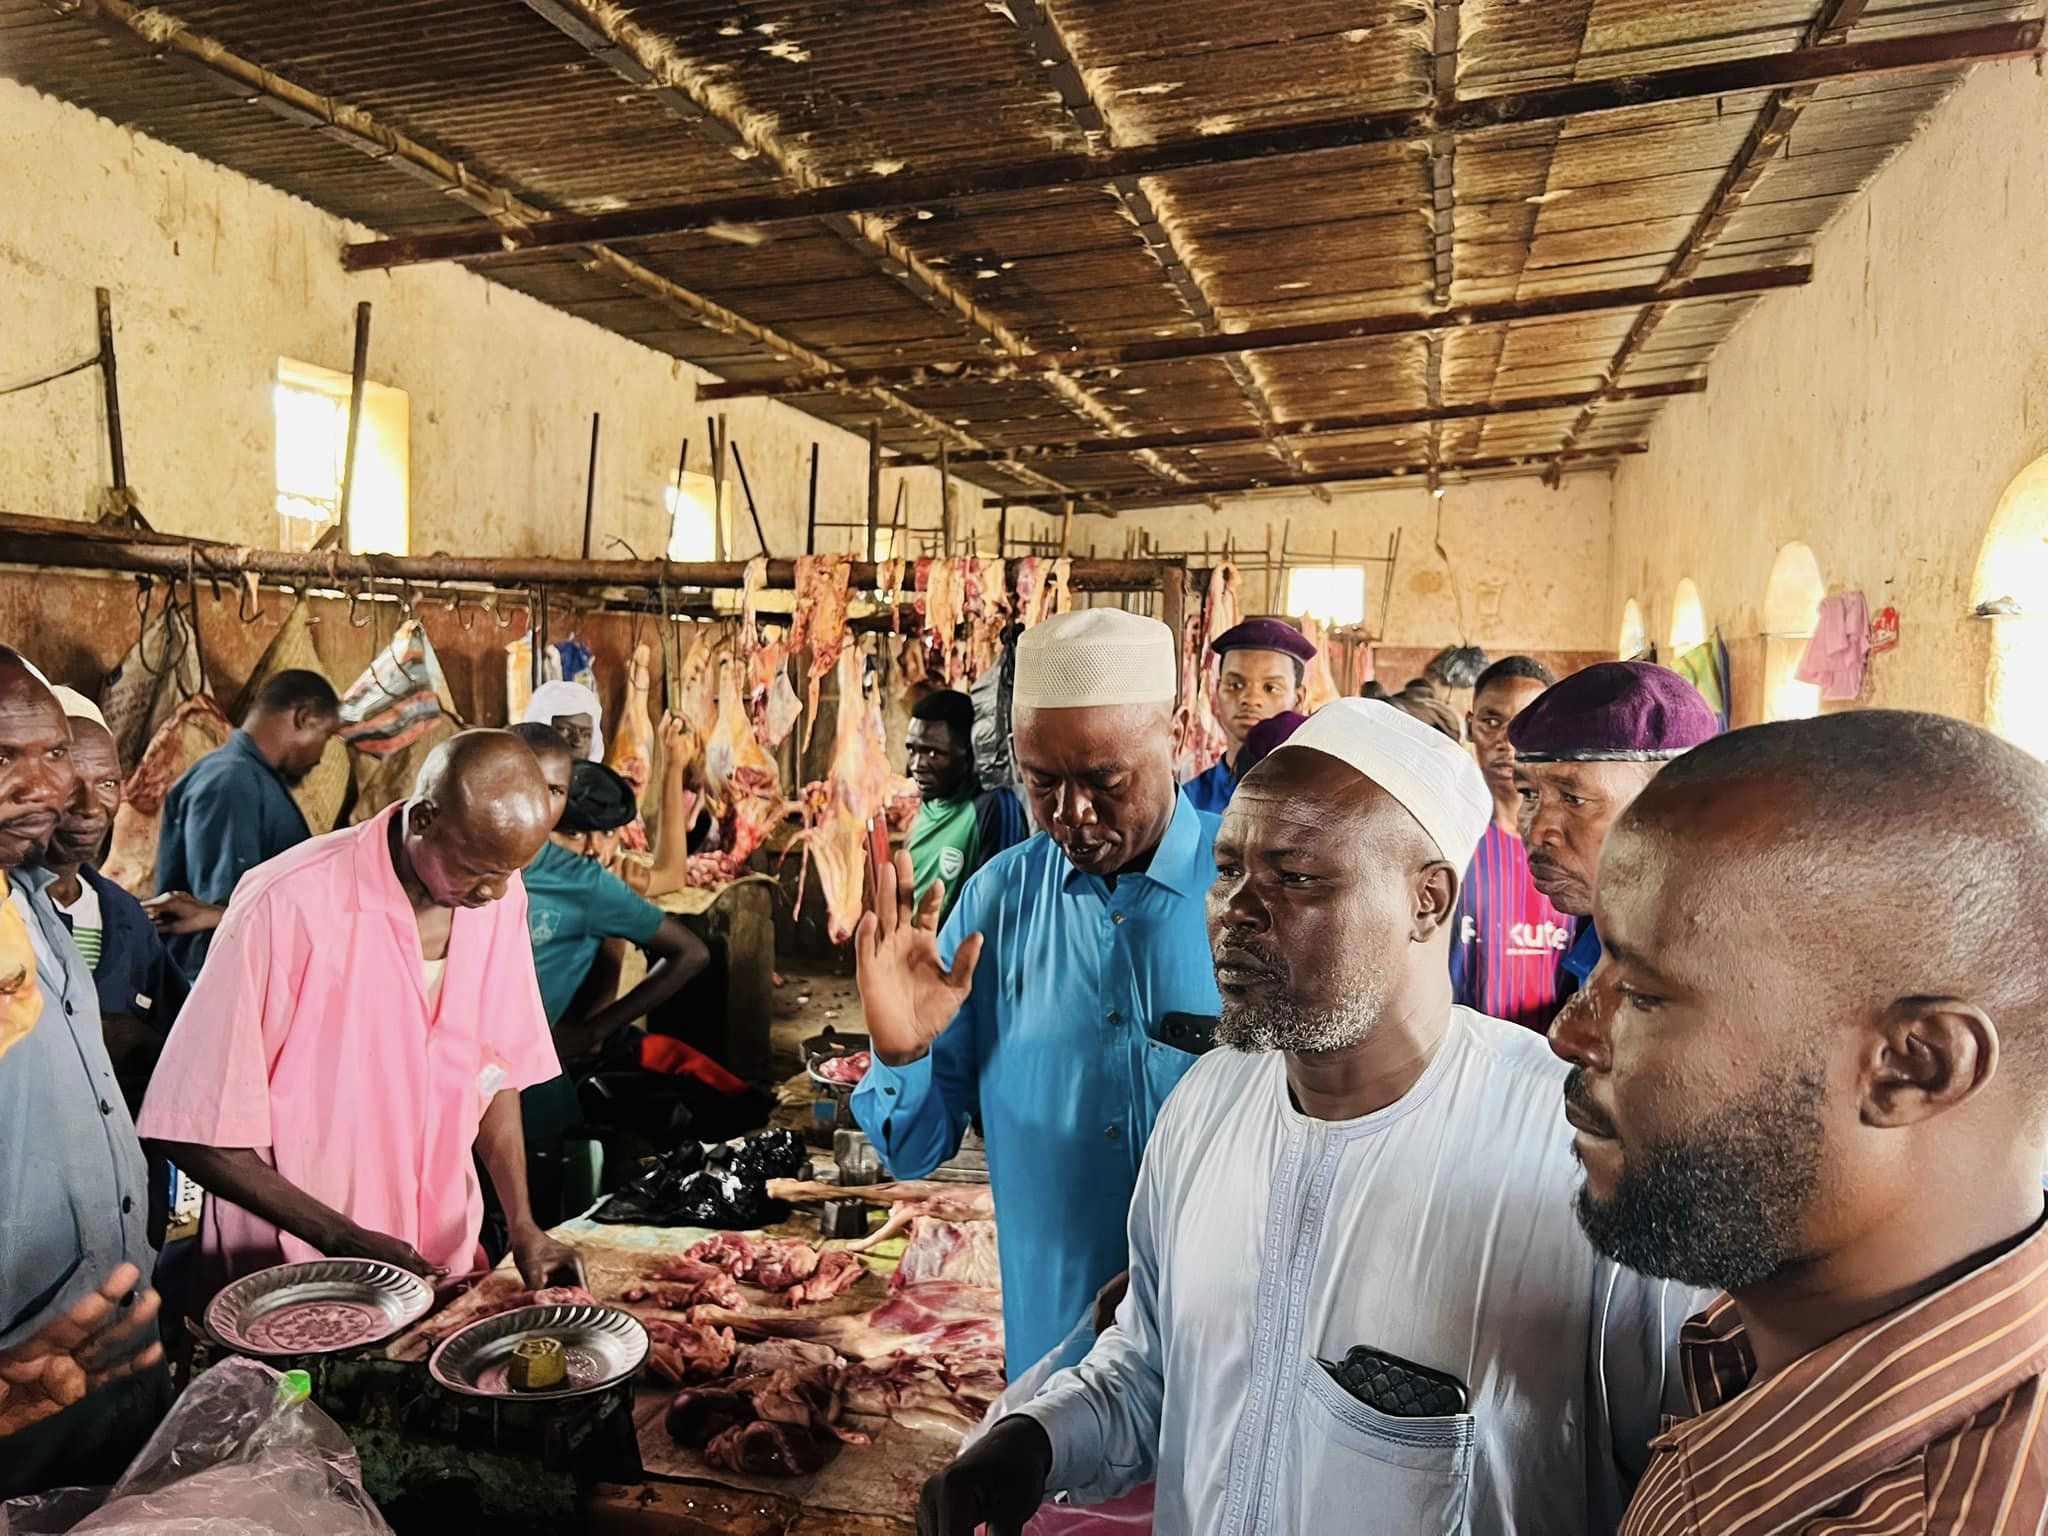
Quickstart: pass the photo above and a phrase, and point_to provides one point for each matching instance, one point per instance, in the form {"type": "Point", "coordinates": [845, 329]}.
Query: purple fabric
{"type": "Point", "coordinates": [1265, 737]}
{"type": "Point", "coordinates": [1265, 635]}
{"type": "Point", "coordinates": [1836, 654]}
{"type": "Point", "coordinates": [1615, 711]}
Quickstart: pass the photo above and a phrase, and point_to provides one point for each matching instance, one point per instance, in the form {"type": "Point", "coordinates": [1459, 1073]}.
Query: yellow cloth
{"type": "Point", "coordinates": [21, 999]}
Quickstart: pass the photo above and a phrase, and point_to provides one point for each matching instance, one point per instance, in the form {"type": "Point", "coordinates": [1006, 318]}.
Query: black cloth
{"type": "Point", "coordinates": [89, 1444]}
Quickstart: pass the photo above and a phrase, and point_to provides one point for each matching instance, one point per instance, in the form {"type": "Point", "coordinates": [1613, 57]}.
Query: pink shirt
{"type": "Point", "coordinates": [310, 1037]}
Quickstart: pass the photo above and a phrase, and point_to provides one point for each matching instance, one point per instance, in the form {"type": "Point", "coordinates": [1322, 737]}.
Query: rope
{"type": "Point", "coordinates": [51, 378]}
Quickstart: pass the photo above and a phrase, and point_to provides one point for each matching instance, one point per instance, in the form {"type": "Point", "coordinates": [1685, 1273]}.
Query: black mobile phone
{"type": "Point", "coordinates": [1194, 1033]}
{"type": "Point", "coordinates": [1399, 1388]}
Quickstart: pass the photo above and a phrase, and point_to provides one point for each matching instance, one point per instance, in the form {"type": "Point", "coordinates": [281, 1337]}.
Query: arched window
{"type": "Point", "coordinates": [1791, 611]}
{"type": "Point", "coordinates": [1688, 619]}
{"type": "Point", "coordinates": [2012, 581]}
{"type": "Point", "coordinates": [1635, 635]}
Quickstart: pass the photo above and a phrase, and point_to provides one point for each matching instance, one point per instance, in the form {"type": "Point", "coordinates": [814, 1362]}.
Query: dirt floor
{"type": "Point", "coordinates": [811, 994]}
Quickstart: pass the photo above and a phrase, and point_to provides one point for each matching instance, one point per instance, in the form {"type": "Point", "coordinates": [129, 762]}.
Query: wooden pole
{"type": "Point", "coordinates": [110, 387]}
{"type": "Point", "coordinates": [753, 512]}
{"type": "Point", "coordinates": [1067, 526]}
{"type": "Point", "coordinates": [874, 484]}
{"type": "Point", "coordinates": [590, 486]}
{"type": "Point", "coordinates": [811, 521]}
{"type": "Point", "coordinates": [1003, 528]}
{"type": "Point", "coordinates": [358, 378]}
{"type": "Point", "coordinates": [717, 426]}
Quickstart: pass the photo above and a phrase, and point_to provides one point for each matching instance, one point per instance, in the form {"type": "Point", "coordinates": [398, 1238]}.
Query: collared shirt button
{"type": "Point", "coordinates": [127, 1204]}
{"type": "Point", "coordinates": [1117, 917]}
{"type": "Point", "coordinates": [1115, 1017]}
{"type": "Point", "coordinates": [1114, 1133]}
{"type": "Point", "coordinates": [106, 1108]}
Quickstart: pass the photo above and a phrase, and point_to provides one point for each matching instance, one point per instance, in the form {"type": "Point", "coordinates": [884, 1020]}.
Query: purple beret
{"type": "Point", "coordinates": [1267, 737]}
{"type": "Point", "coordinates": [1265, 635]}
{"type": "Point", "coordinates": [1615, 712]}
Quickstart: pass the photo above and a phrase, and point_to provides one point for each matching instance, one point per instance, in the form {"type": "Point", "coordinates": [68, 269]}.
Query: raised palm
{"type": "Point", "coordinates": [908, 995]}
{"type": "Point", "coordinates": [80, 1352]}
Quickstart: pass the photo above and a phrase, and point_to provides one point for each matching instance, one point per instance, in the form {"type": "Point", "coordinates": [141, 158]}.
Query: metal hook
{"type": "Point", "coordinates": [355, 605]}
{"type": "Point", "coordinates": [249, 593]}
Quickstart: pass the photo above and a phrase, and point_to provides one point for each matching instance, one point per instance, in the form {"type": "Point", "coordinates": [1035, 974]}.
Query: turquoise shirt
{"type": "Point", "coordinates": [229, 812]}
{"type": "Point", "coordinates": [1058, 1056]}
{"type": "Point", "coordinates": [573, 905]}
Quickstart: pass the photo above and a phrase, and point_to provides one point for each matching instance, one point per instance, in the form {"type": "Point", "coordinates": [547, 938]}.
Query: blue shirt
{"type": "Point", "coordinates": [74, 1197]}
{"type": "Point", "coordinates": [573, 905]}
{"type": "Point", "coordinates": [1212, 788]}
{"type": "Point", "coordinates": [1057, 1054]}
{"type": "Point", "coordinates": [135, 975]}
{"type": "Point", "coordinates": [229, 812]}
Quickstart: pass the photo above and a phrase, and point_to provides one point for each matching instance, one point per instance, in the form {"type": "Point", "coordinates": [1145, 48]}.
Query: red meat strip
{"type": "Point", "coordinates": [682, 1284]}
{"type": "Point", "coordinates": [684, 1352]}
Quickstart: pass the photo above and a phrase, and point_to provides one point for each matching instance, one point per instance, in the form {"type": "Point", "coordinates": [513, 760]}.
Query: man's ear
{"type": "Point", "coordinates": [1926, 1055]}
{"type": "Point", "coordinates": [1183, 729]}
{"type": "Point", "coordinates": [421, 815]}
{"type": "Point", "coordinates": [1436, 898]}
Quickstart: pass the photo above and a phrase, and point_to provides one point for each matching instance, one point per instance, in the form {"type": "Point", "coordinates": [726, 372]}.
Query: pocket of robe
{"type": "Point", "coordinates": [1414, 1475]}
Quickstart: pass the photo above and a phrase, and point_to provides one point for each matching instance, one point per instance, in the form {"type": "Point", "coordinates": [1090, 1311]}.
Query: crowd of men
{"type": "Point", "coordinates": [1304, 1220]}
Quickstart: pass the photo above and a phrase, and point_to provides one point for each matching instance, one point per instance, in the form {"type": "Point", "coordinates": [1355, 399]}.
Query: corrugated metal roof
{"type": "Point", "coordinates": [580, 107]}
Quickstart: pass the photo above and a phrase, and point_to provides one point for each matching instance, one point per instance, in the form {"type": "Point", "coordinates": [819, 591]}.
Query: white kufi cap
{"type": "Point", "coordinates": [78, 707]}
{"type": "Point", "coordinates": [1432, 776]}
{"type": "Point", "coordinates": [1095, 656]}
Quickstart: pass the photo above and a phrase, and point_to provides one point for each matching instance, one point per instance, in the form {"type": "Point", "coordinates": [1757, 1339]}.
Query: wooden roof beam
{"type": "Point", "coordinates": [656, 63]}
{"type": "Point", "coordinates": [171, 39]}
{"type": "Point", "coordinates": [1766, 141]}
{"type": "Point", "coordinates": [1804, 66]}
{"type": "Point", "coordinates": [1083, 361]}
{"type": "Point", "coordinates": [1124, 500]}
{"type": "Point", "coordinates": [1312, 429]}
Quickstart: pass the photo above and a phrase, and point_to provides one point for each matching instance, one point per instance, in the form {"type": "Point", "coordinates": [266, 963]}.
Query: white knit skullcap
{"type": "Point", "coordinates": [78, 707]}
{"type": "Point", "coordinates": [1432, 776]}
{"type": "Point", "coordinates": [1095, 656]}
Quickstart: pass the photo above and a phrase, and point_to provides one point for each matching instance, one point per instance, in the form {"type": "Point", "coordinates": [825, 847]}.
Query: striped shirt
{"type": "Point", "coordinates": [1508, 938]}
{"type": "Point", "coordinates": [1927, 1422]}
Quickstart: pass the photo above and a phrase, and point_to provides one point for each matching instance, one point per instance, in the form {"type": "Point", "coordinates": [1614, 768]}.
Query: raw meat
{"type": "Point", "coordinates": [944, 606]}
{"type": "Point", "coordinates": [744, 790]}
{"type": "Point", "coordinates": [681, 1284]}
{"type": "Point", "coordinates": [788, 1266]}
{"type": "Point", "coordinates": [697, 681]}
{"type": "Point", "coordinates": [846, 1070]}
{"type": "Point", "coordinates": [683, 1352]}
{"type": "Point", "coordinates": [752, 580]}
{"type": "Point", "coordinates": [775, 1414]}
{"type": "Point", "coordinates": [629, 752]}
{"type": "Point", "coordinates": [1200, 669]}
{"type": "Point", "coordinates": [948, 1202]}
{"type": "Point", "coordinates": [820, 628]}
{"type": "Point", "coordinates": [194, 729]}
{"type": "Point", "coordinates": [840, 809]}
{"type": "Point", "coordinates": [770, 698]}
{"type": "Point", "coordinates": [961, 1251]}
{"type": "Point", "coordinates": [1319, 684]}
{"type": "Point", "coordinates": [1042, 589]}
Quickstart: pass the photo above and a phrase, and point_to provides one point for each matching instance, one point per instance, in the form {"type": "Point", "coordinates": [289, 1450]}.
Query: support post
{"type": "Point", "coordinates": [590, 486]}
{"type": "Point", "coordinates": [874, 484]}
{"type": "Point", "coordinates": [110, 387]}
{"type": "Point", "coordinates": [358, 379]}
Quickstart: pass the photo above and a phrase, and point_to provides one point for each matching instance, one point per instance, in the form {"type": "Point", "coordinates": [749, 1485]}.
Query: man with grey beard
{"type": "Point", "coordinates": [1358, 1297]}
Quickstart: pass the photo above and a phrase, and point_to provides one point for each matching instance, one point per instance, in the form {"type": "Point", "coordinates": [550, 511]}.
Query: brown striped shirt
{"type": "Point", "coordinates": [1925, 1421]}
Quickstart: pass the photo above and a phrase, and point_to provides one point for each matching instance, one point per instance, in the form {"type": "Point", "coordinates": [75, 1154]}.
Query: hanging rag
{"type": "Point", "coordinates": [399, 698]}
{"type": "Point", "coordinates": [1705, 666]}
{"type": "Point", "coordinates": [1840, 646]}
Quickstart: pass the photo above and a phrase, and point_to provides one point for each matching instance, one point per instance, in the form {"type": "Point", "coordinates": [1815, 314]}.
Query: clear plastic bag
{"type": "Point", "coordinates": [244, 1452]}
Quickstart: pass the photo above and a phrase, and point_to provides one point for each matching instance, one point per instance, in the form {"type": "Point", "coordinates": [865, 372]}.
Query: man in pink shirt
{"type": "Point", "coordinates": [365, 1021]}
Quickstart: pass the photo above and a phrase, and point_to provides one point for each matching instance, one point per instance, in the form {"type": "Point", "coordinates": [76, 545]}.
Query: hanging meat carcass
{"type": "Point", "coordinates": [820, 627]}
{"type": "Point", "coordinates": [629, 752]}
{"type": "Point", "coordinates": [985, 607]}
{"type": "Point", "coordinates": [194, 729]}
{"type": "Point", "coordinates": [838, 811]}
{"type": "Point", "coordinates": [743, 788]}
{"type": "Point", "coordinates": [943, 604]}
{"type": "Point", "coordinates": [697, 681]}
{"type": "Point", "coordinates": [1200, 667]}
{"type": "Point", "coordinates": [1319, 683]}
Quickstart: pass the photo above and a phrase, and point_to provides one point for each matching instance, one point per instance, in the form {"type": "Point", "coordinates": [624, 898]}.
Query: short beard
{"type": "Point", "coordinates": [1282, 1024]}
{"type": "Point", "coordinates": [1720, 1206]}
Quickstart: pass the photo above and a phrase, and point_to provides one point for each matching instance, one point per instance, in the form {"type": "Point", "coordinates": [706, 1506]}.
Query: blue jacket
{"type": "Point", "coordinates": [136, 975]}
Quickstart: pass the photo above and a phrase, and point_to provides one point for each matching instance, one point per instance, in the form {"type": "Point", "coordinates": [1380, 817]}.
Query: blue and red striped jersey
{"type": "Point", "coordinates": [1509, 939]}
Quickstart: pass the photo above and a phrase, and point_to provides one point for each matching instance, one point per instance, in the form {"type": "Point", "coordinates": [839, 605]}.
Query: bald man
{"type": "Point", "coordinates": [366, 1019]}
{"type": "Point", "coordinates": [1793, 1081]}
{"type": "Point", "coordinates": [1061, 1000]}
{"type": "Point", "coordinates": [1357, 1298]}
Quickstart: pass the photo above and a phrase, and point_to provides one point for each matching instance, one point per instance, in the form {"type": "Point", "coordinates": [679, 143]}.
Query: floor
{"type": "Point", "coordinates": [810, 995]}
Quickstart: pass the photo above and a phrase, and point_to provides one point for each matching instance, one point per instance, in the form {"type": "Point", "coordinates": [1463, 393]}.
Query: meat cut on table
{"type": "Point", "coordinates": [961, 1251]}
{"type": "Point", "coordinates": [845, 1070]}
{"type": "Point", "coordinates": [776, 1413]}
{"type": "Point", "coordinates": [677, 1285]}
{"type": "Point", "coordinates": [785, 1266]}
{"type": "Point", "coordinates": [948, 1202]}
{"type": "Point", "coordinates": [681, 1352]}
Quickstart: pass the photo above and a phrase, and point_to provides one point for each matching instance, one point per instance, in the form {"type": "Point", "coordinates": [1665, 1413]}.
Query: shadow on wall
{"type": "Point", "coordinates": [2011, 592]}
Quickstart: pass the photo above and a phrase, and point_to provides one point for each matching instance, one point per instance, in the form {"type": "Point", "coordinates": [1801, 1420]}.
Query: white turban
{"type": "Point", "coordinates": [552, 701]}
{"type": "Point", "coordinates": [1095, 656]}
{"type": "Point", "coordinates": [1432, 776]}
{"type": "Point", "coordinates": [78, 707]}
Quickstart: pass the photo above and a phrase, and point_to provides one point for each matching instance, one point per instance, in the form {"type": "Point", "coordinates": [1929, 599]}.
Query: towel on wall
{"type": "Point", "coordinates": [1840, 645]}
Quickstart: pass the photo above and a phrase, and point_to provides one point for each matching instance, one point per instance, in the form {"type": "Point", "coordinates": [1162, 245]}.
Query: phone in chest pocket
{"type": "Point", "coordinates": [1399, 1388]}
{"type": "Point", "coordinates": [1194, 1033]}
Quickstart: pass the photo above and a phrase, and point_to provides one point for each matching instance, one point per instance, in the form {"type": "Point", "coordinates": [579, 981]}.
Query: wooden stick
{"type": "Point", "coordinates": [874, 484]}
{"type": "Point", "coordinates": [811, 521]}
{"type": "Point", "coordinates": [357, 381]}
{"type": "Point", "coordinates": [590, 486]}
{"type": "Point", "coordinates": [740, 464]}
{"type": "Point", "coordinates": [110, 387]}
{"type": "Point", "coordinates": [1067, 526]}
{"type": "Point", "coordinates": [718, 486]}
{"type": "Point", "coordinates": [945, 498]}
